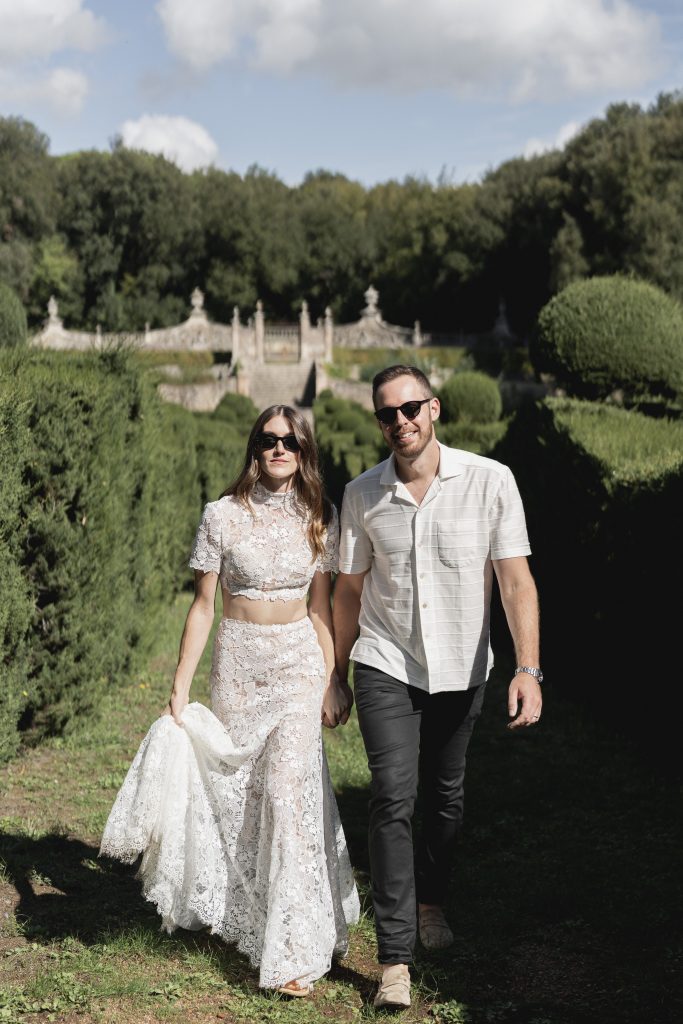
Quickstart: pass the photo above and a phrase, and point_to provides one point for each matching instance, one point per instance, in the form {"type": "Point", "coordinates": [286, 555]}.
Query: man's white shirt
{"type": "Point", "coordinates": [425, 606]}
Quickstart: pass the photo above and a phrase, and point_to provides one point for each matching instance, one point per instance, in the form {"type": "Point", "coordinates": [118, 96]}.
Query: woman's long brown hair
{"type": "Point", "coordinates": [310, 496]}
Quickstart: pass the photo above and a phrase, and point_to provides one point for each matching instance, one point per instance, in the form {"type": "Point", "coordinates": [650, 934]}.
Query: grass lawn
{"type": "Point", "coordinates": [566, 897]}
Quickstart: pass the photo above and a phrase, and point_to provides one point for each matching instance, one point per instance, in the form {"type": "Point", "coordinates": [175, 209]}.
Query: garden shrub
{"type": "Point", "coordinates": [348, 439]}
{"type": "Point", "coordinates": [15, 601]}
{"type": "Point", "coordinates": [470, 397]}
{"type": "Point", "coordinates": [238, 410]}
{"type": "Point", "coordinates": [12, 319]}
{"type": "Point", "coordinates": [479, 438]}
{"type": "Point", "coordinates": [603, 489]}
{"type": "Point", "coordinates": [220, 452]}
{"type": "Point", "coordinates": [101, 500]}
{"type": "Point", "coordinates": [609, 334]}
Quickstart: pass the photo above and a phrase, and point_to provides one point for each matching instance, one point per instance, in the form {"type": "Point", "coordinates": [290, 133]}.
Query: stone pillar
{"type": "Point", "coordinates": [417, 334]}
{"type": "Point", "coordinates": [235, 325]}
{"type": "Point", "coordinates": [304, 333]}
{"type": "Point", "coordinates": [328, 336]}
{"type": "Point", "coordinates": [260, 333]}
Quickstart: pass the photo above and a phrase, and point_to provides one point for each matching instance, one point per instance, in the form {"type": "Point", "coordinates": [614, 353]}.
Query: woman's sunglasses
{"type": "Point", "coordinates": [410, 410]}
{"type": "Point", "coordinates": [264, 442]}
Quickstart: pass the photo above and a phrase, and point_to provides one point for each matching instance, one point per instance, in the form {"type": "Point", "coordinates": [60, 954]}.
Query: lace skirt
{"type": "Point", "coordinates": [235, 814]}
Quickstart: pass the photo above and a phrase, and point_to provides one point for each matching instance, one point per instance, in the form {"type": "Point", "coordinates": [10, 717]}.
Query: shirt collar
{"type": "Point", "coordinates": [449, 465]}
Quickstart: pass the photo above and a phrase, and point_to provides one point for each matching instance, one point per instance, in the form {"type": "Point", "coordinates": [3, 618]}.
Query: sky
{"type": "Point", "coordinates": [373, 89]}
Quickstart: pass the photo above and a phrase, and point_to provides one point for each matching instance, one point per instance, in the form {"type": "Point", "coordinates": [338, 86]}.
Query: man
{"type": "Point", "coordinates": [421, 536]}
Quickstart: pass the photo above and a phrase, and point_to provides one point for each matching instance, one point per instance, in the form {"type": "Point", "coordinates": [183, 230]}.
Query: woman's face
{"type": "Point", "coordinates": [278, 465]}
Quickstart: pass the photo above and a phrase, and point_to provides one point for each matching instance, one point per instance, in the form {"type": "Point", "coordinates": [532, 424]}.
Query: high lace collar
{"type": "Point", "coordinates": [263, 496]}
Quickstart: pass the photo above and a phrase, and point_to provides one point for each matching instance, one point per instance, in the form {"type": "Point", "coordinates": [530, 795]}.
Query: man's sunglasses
{"type": "Point", "coordinates": [264, 442]}
{"type": "Point", "coordinates": [410, 410]}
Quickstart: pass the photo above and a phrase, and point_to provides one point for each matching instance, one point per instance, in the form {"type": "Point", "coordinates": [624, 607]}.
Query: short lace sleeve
{"type": "Point", "coordinates": [329, 560]}
{"type": "Point", "coordinates": [206, 550]}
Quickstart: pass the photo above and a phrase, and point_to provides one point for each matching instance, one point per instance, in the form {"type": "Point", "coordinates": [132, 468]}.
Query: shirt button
{"type": "Point", "coordinates": [424, 604]}
{"type": "Point", "coordinates": [422, 575]}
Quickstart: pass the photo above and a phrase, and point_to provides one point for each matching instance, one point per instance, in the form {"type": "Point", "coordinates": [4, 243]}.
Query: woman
{"type": "Point", "coordinates": [234, 812]}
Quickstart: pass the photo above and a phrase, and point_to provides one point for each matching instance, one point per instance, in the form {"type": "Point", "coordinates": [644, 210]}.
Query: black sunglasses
{"type": "Point", "coordinates": [264, 442]}
{"type": "Point", "coordinates": [410, 410]}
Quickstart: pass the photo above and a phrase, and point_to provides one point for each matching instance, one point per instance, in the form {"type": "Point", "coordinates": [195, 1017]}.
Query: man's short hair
{"type": "Point", "coordinates": [392, 372]}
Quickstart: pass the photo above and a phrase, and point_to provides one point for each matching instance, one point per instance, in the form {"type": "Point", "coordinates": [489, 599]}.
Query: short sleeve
{"type": "Point", "coordinates": [355, 547]}
{"type": "Point", "coordinates": [506, 521]}
{"type": "Point", "coordinates": [206, 550]}
{"type": "Point", "coordinates": [329, 560]}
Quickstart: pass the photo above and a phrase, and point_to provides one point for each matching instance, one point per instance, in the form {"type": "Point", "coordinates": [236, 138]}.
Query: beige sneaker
{"type": "Point", "coordinates": [394, 989]}
{"type": "Point", "coordinates": [435, 932]}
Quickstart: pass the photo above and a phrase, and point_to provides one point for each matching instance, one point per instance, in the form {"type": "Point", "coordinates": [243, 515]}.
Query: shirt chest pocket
{"type": "Point", "coordinates": [458, 548]}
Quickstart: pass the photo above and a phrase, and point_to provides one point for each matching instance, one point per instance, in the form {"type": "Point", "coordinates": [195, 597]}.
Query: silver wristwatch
{"type": "Point", "coordinates": [535, 672]}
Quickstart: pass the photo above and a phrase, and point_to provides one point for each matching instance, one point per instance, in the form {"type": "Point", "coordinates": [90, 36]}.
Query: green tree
{"type": "Point", "coordinates": [567, 262]}
{"type": "Point", "coordinates": [27, 199]}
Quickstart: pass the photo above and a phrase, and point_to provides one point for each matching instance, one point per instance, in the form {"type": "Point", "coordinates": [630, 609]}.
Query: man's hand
{"type": "Point", "coordinates": [526, 690]}
{"type": "Point", "coordinates": [337, 703]}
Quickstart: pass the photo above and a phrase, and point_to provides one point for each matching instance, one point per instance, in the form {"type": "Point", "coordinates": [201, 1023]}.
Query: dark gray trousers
{"type": "Point", "coordinates": [411, 737]}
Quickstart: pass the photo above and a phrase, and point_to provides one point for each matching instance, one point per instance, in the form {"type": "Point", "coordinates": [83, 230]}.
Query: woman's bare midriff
{"type": "Point", "coordinates": [264, 613]}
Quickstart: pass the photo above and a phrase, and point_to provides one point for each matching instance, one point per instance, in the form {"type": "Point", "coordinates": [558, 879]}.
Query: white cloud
{"type": "Point", "coordinates": [33, 31]}
{"type": "Point", "coordinates": [62, 89]}
{"type": "Point", "coordinates": [177, 138]}
{"type": "Point", "coordinates": [40, 28]}
{"type": "Point", "coordinates": [524, 50]}
{"type": "Point", "coordinates": [534, 147]}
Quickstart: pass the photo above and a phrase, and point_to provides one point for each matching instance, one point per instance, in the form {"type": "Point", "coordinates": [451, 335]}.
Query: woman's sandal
{"type": "Point", "coordinates": [293, 988]}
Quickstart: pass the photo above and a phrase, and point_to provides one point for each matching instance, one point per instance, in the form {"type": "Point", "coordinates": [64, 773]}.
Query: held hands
{"type": "Point", "coordinates": [524, 691]}
{"type": "Point", "coordinates": [337, 702]}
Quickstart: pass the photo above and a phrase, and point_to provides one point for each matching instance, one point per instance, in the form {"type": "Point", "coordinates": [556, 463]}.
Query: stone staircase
{"type": "Point", "coordinates": [282, 384]}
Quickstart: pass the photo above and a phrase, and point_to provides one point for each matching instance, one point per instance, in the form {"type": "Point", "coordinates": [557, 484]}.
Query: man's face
{"type": "Point", "coordinates": [408, 438]}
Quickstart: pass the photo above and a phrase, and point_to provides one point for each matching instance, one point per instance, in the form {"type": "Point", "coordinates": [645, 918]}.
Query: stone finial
{"type": "Point", "coordinates": [328, 313]}
{"type": "Point", "coordinates": [371, 299]}
{"type": "Point", "coordinates": [235, 315]}
{"type": "Point", "coordinates": [197, 300]}
{"type": "Point", "coordinates": [259, 306]}
{"type": "Point", "coordinates": [53, 311]}
{"type": "Point", "coordinates": [304, 318]}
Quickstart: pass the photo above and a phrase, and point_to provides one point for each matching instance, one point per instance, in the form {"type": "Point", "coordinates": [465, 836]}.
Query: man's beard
{"type": "Point", "coordinates": [420, 440]}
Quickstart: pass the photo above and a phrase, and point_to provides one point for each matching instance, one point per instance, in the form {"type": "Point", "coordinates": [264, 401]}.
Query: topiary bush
{"type": "Point", "coordinates": [12, 319]}
{"type": "Point", "coordinates": [470, 397]}
{"type": "Point", "coordinates": [608, 334]}
{"type": "Point", "coordinates": [238, 410]}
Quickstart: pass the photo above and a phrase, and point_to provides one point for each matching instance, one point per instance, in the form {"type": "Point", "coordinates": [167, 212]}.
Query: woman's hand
{"type": "Point", "coordinates": [175, 707]}
{"type": "Point", "coordinates": [337, 702]}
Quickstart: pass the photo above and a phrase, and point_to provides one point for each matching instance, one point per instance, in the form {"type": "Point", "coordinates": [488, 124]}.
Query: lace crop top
{"type": "Point", "coordinates": [264, 555]}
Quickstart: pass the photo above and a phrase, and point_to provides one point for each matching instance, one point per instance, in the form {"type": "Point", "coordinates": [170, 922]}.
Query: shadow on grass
{"type": "Point", "coordinates": [566, 895]}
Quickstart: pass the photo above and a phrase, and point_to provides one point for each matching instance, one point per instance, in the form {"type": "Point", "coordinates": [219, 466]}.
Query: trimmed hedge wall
{"type": "Point", "coordinates": [603, 490]}
{"type": "Point", "coordinates": [101, 488]}
{"type": "Point", "coordinates": [101, 527]}
{"type": "Point", "coordinates": [12, 319]}
{"type": "Point", "coordinates": [607, 334]}
{"type": "Point", "coordinates": [15, 601]}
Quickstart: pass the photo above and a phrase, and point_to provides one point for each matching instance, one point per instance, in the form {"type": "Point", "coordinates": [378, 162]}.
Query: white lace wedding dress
{"type": "Point", "coordinates": [234, 814]}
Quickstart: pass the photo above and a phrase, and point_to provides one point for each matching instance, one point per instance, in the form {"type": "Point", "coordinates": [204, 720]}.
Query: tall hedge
{"type": "Point", "coordinates": [12, 319]}
{"type": "Point", "coordinates": [603, 490]}
{"type": "Point", "coordinates": [100, 501]}
{"type": "Point", "coordinates": [15, 602]}
{"type": "Point", "coordinates": [609, 334]}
